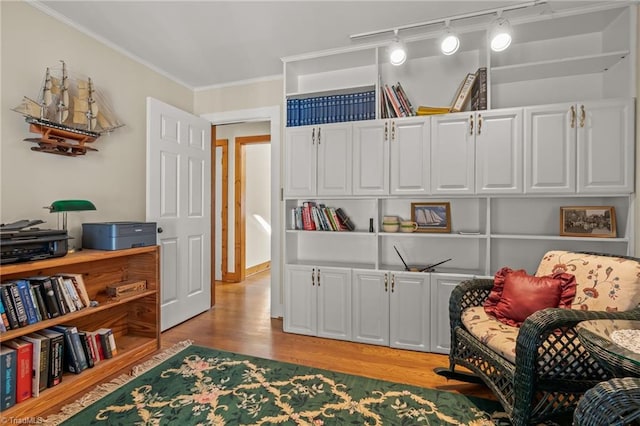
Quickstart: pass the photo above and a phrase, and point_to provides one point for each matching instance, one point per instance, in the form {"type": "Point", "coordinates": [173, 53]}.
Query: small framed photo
{"type": "Point", "coordinates": [431, 217]}
{"type": "Point", "coordinates": [595, 221]}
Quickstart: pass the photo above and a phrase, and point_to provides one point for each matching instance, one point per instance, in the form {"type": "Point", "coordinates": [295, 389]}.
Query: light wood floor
{"type": "Point", "coordinates": [240, 322]}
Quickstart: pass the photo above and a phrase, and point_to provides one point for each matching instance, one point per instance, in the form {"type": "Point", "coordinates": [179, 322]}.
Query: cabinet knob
{"type": "Point", "coordinates": [160, 230]}
{"type": "Point", "coordinates": [471, 124]}
{"type": "Point", "coordinates": [573, 116]}
{"type": "Point", "coordinates": [582, 115]}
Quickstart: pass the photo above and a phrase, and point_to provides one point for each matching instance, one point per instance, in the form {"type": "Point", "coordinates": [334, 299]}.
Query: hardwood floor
{"type": "Point", "coordinates": [240, 323]}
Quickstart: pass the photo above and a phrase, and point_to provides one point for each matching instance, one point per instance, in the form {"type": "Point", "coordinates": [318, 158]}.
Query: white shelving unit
{"type": "Point", "coordinates": [560, 64]}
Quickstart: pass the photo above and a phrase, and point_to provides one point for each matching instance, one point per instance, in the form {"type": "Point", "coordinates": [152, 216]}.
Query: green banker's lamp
{"type": "Point", "coordinates": [64, 206]}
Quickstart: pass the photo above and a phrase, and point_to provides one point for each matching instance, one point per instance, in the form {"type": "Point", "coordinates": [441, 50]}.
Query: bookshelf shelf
{"type": "Point", "coordinates": [134, 319]}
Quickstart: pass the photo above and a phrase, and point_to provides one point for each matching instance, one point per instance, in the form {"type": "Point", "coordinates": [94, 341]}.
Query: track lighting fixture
{"type": "Point", "coordinates": [449, 42]}
{"type": "Point", "coordinates": [397, 52]}
{"type": "Point", "coordinates": [500, 34]}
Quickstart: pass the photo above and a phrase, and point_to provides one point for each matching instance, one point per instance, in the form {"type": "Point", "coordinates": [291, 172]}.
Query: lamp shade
{"type": "Point", "coordinates": [70, 206]}
{"type": "Point", "coordinates": [500, 35]}
{"type": "Point", "coordinates": [449, 42]}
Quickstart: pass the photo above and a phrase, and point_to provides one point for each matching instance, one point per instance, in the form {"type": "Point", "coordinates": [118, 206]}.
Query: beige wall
{"type": "Point", "coordinates": [114, 177]}
{"type": "Point", "coordinates": [234, 98]}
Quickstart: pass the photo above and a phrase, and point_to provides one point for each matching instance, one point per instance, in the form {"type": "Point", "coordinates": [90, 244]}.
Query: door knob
{"type": "Point", "coordinates": [160, 230]}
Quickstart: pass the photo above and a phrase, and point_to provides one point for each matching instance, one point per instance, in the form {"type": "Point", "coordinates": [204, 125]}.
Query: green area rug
{"type": "Point", "coordinates": [193, 385]}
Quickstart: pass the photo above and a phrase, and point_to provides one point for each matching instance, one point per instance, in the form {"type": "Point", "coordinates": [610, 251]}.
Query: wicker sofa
{"type": "Point", "coordinates": [539, 371]}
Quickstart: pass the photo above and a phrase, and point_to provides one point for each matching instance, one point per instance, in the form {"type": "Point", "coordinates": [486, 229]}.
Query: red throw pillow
{"type": "Point", "coordinates": [516, 295]}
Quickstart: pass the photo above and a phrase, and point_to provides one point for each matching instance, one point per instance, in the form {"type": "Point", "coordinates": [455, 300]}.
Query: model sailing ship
{"type": "Point", "coordinates": [69, 114]}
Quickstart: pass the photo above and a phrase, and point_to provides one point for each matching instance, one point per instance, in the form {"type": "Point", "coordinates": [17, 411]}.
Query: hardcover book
{"type": "Point", "coordinates": [40, 365]}
{"type": "Point", "coordinates": [16, 300]}
{"type": "Point", "coordinates": [8, 373]}
{"type": "Point", "coordinates": [9, 307]}
{"type": "Point", "coordinates": [28, 302]}
{"type": "Point", "coordinates": [24, 367]}
{"type": "Point", "coordinates": [463, 93]}
{"type": "Point", "coordinates": [75, 360]}
{"type": "Point", "coordinates": [48, 295]}
{"type": "Point", "coordinates": [56, 356]}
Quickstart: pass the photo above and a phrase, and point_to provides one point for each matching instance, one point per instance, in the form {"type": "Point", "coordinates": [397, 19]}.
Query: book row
{"type": "Point", "coordinates": [312, 217]}
{"type": "Point", "coordinates": [36, 361]}
{"type": "Point", "coordinates": [331, 109]}
{"type": "Point", "coordinates": [30, 300]}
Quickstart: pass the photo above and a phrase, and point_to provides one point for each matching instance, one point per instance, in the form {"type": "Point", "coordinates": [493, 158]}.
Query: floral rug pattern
{"type": "Point", "coordinates": [202, 386]}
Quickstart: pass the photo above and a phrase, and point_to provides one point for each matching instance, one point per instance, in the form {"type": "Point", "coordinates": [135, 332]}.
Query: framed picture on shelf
{"type": "Point", "coordinates": [590, 221]}
{"type": "Point", "coordinates": [432, 217]}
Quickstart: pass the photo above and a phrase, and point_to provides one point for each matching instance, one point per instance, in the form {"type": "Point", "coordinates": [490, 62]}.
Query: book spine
{"type": "Point", "coordinates": [40, 365]}
{"type": "Point", "coordinates": [71, 358]}
{"type": "Point", "coordinates": [12, 315]}
{"type": "Point", "coordinates": [463, 94]}
{"type": "Point", "coordinates": [104, 342]}
{"type": "Point", "coordinates": [27, 301]}
{"type": "Point", "coordinates": [19, 305]}
{"type": "Point", "coordinates": [345, 219]}
{"type": "Point", "coordinates": [56, 360]}
{"type": "Point", "coordinates": [4, 319]}
{"type": "Point", "coordinates": [24, 368]}
{"type": "Point", "coordinates": [8, 369]}
{"type": "Point", "coordinates": [49, 296]}
{"type": "Point", "coordinates": [36, 295]}
{"type": "Point", "coordinates": [394, 103]}
{"type": "Point", "coordinates": [398, 99]}
{"type": "Point", "coordinates": [56, 283]}
{"type": "Point", "coordinates": [406, 98]}
{"type": "Point", "coordinates": [86, 349]}
{"type": "Point", "coordinates": [482, 84]}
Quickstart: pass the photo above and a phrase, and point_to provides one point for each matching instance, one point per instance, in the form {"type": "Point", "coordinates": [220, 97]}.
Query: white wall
{"type": "Point", "coordinates": [231, 132]}
{"type": "Point", "coordinates": [258, 202]}
{"type": "Point", "coordinates": [114, 177]}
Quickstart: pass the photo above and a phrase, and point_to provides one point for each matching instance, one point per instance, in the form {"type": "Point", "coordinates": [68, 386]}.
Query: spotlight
{"type": "Point", "coordinates": [500, 34]}
{"type": "Point", "coordinates": [397, 52]}
{"type": "Point", "coordinates": [449, 42]}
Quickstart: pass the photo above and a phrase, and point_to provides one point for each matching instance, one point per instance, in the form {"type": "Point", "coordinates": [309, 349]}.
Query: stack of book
{"type": "Point", "coordinates": [472, 92]}
{"type": "Point", "coordinates": [30, 300]}
{"type": "Point", "coordinates": [318, 217]}
{"type": "Point", "coordinates": [394, 102]}
{"type": "Point", "coordinates": [331, 109]}
{"type": "Point", "coordinates": [37, 361]}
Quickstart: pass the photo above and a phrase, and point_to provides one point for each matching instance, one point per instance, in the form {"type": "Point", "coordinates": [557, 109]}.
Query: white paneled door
{"type": "Point", "coordinates": [179, 201]}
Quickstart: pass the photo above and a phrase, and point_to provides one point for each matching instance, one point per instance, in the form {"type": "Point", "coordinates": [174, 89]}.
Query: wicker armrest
{"type": "Point", "coordinates": [546, 330]}
{"type": "Point", "coordinates": [467, 294]}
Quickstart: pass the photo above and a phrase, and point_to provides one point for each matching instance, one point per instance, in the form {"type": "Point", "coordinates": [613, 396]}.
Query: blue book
{"type": "Point", "coordinates": [29, 304]}
{"type": "Point", "coordinates": [8, 367]}
{"type": "Point", "coordinates": [75, 359]}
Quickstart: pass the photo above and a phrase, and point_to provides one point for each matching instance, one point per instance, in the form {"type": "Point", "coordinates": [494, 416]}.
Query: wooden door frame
{"type": "Point", "coordinates": [224, 208]}
{"type": "Point", "coordinates": [239, 197]}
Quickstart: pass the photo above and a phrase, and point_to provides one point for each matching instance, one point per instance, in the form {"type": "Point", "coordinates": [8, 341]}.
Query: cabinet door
{"type": "Point", "coordinates": [499, 151]}
{"type": "Point", "coordinates": [409, 144]}
{"type": "Point", "coordinates": [550, 149]}
{"type": "Point", "coordinates": [300, 161]}
{"type": "Point", "coordinates": [334, 302]}
{"type": "Point", "coordinates": [605, 146]}
{"type": "Point", "coordinates": [334, 159]}
{"type": "Point", "coordinates": [452, 154]}
{"type": "Point", "coordinates": [370, 307]}
{"type": "Point", "coordinates": [409, 326]}
{"type": "Point", "coordinates": [371, 157]}
{"type": "Point", "coordinates": [441, 287]}
{"type": "Point", "coordinates": [300, 299]}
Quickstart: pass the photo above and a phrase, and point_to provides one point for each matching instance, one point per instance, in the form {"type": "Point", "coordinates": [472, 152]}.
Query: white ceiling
{"type": "Point", "coordinates": [208, 43]}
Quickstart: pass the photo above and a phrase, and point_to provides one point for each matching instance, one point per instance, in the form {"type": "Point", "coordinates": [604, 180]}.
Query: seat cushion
{"type": "Point", "coordinates": [603, 283]}
{"type": "Point", "coordinates": [496, 335]}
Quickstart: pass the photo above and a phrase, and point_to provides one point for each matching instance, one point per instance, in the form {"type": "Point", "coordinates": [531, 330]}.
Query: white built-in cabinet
{"type": "Point", "coordinates": [558, 131]}
{"type": "Point", "coordinates": [318, 301]}
{"type": "Point", "coordinates": [320, 160]}
{"type": "Point", "coordinates": [583, 147]}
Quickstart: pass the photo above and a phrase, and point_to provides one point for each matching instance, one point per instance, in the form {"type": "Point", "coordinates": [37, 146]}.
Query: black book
{"type": "Point", "coordinates": [56, 283]}
{"type": "Point", "coordinates": [48, 295]}
{"type": "Point", "coordinates": [75, 361]}
{"type": "Point", "coordinates": [37, 295]}
{"type": "Point", "coordinates": [56, 356]}
{"type": "Point", "coordinates": [14, 296]}
{"type": "Point", "coordinates": [9, 307]}
{"type": "Point", "coordinates": [345, 219]}
{"type": "Point", "coordinates": [85, 347]}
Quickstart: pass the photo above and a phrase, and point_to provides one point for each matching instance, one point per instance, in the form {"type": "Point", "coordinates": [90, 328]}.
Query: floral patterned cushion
{"type": "Point", "coordinates": [603, 283]}
{"type": "Point", "coordinates": [498, 336]}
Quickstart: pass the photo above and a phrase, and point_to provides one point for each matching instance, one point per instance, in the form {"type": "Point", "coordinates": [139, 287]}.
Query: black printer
{"type": "Point", "coordinates": [21, 245]}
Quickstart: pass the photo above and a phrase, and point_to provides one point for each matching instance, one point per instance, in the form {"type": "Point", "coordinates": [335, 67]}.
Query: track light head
{"type": "Point", "coordinates": [397, 52]}
{"type": "Point", "coordinates": [449, 42]}
{"type": "Point", "coordinates": [500, 34]}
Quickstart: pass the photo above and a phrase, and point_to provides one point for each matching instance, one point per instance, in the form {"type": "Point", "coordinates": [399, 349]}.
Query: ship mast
{"type": "Point", "coordinates": [46, 94]}
{"type": "Point", "coordinates": [63, 101]}
{"type": "Point", "coordinates": [92, 110]}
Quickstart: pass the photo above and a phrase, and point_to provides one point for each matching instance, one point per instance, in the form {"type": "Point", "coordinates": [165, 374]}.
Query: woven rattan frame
{"type": "Point", "coordinates": [552, 369]}
{"type": "Point", "coordinates": [615, 402]}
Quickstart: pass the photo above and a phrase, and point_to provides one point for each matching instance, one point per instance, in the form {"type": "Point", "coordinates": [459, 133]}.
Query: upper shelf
{"type": "Point", "coordinates": [588, 64]}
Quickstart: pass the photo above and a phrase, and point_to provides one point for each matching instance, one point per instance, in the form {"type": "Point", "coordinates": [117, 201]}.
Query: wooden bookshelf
{"type": "Point", "coordinates": [134, 319]}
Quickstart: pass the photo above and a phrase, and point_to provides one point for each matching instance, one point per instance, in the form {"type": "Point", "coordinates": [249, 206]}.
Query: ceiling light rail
{"type": "Point", "coordinates": [497, 10]}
